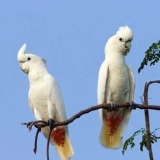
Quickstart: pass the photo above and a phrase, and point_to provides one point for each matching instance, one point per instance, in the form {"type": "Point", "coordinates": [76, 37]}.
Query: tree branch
{"type": "Point", "coordinates": [36, 138]}
{"type": "Point", "coordinates": [108, 107]}
{"type": "Point", "coordinates": [147, 121]}
{"type": "Point", "coordinates": [85, 111]}
{"type": "Point", "coordinates": [48, 140]}
{"type": "Point", "coordinates": [41, 124]}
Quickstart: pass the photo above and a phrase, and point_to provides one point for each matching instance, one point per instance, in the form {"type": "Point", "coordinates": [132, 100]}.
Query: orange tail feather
{"type": "Point", "coordinates": [110, 136]}
{"type": "Point", "coordinates": [62, 143]}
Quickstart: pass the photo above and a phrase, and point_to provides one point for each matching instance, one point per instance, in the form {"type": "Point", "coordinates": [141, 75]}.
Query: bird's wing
{"type": "Point", "coordinates": [127, 112]}
{"type": "Point", "coordinates": [102, 80]}
{"type": "Point", "coordinates": [55, 100]}
{"type": "Point", "coordinates": [61, 140]}
{"type": "Point", "coordinates": [131, 84]}
{"type": "Point", "coordinates": [101, 88]}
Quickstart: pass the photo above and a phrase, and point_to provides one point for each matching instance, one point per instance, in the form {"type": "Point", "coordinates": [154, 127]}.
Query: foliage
{"type": "Point", "coordinates": [130, 141]}
{"type": "Point", "coordinates": [152, 55]}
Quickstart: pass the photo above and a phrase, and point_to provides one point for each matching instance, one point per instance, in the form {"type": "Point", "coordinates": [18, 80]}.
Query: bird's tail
{"type": "Point", "coordinates": [62, 143]}
{"type": "Point", "coordinates": [111, 135]}
{"type": "Point", "coordinates": [112, 141]}
{"type": "Point", "coordinates": [60, 139]}
{"type": "Point", "coordinates": [65, 151]}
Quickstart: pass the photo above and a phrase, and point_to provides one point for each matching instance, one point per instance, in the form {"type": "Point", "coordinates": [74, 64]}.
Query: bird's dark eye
{"type": "Point", "coordinates": [28, 58]}
{"type": "Point", "coordinates": [120, 39]}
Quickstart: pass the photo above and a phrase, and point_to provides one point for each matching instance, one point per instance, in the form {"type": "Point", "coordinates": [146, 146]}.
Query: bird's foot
{"type": "Point", "coordinates": [131, 105]}
{"type": "Point", "coordinates": [112, 106]}
{"type": "Point", "coordinates": [51, 122]}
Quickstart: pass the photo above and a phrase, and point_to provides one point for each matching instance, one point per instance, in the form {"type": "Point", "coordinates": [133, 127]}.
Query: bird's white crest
{"type": "Point", "coordinates": [21, 52]}
{"type": "Point", "coordinates": [125, 31]}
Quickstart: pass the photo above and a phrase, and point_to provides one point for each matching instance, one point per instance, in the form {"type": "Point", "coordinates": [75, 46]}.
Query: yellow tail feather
{"type": "Point", "coordinates": [113, 141]}
{"type": "Point", "coordinates": [66, 151]}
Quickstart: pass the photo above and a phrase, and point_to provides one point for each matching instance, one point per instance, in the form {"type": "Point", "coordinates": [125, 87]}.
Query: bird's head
{"type": "Point", "coordinates": [29, 61]}
{"type": "Point", "coordinates": [121, 41]}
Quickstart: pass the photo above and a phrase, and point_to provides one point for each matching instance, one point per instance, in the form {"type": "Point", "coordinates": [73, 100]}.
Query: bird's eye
{"type": "Point", "coordinates": [120, 39]}
{"type": "Point", "coordinates": [28, 58]}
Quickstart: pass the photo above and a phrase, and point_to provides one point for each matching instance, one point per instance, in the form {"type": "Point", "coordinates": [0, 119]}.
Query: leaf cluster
{"type": "Point", "coordinates": [152, 55]}
{"type": "Point", "coordinates": [130, 141]}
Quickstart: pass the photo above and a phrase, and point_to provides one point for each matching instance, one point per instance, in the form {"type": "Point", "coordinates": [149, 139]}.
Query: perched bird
{"type": "Point", "coordinates": [116, 85]}
{"type": "Point", "coordinates": [46, 101]}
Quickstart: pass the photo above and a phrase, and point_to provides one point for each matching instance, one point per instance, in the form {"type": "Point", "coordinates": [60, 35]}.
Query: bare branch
{"type": "Point", "coordinates": [48, 140]}
{"type": "Point", "coordinates": [85, 111]}
{"type": "Point", "coordinates": [40, 124]}
{"type": "Point", "coordinates": [157, 137]}
{"type": "Point", "coordinates": [147, 121]}
{"type": "Point", "coordinates": [36, 138]}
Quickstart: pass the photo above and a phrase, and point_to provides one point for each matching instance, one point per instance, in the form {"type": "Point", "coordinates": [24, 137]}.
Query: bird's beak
{"type": "Point", "coordinates": [128, 45]}
{"type": "Point", "coordinates": [20, 65]}
{"type": "Point", "coordinates": [24, 69]}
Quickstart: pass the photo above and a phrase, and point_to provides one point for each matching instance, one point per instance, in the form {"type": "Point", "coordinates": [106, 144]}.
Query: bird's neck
{"type": "Point", "coordinates": [115, 58]}
{"type": "Point", "coordinates": [36, 73]}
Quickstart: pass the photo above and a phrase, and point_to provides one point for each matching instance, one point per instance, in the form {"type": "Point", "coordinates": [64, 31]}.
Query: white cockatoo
{"type": "Point", "coordinates": [46, 101]}
{"type": "Point", "coordinates": [116, 85]}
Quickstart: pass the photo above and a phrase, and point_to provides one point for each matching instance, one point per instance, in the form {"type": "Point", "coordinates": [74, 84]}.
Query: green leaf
{"type": "Point", "coordinates": [130, 141]}
{"type": "Point", "coordinates": [152, 55]}
{"type": "Point", "coordinates": [143, 144]}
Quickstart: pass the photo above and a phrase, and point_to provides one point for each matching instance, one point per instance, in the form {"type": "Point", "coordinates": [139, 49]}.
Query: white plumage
{"type": "Point", "coordinates": [115, 85]}
{"type": "Point", "coordinates": [45, 100]}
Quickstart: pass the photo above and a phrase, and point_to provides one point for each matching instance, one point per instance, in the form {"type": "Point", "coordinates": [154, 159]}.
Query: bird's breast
{"type": "Point", "coordinates": [38, 99]}
{"type": "Point", "coordinates": [118, 82]}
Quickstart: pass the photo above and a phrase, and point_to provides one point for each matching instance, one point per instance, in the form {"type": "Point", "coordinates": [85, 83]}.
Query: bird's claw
{"type": "Point", "coordinates": [131, 105]}
{"type": "Point", "coordinates": [112, 106]}
{"type": "Point", "coordinates": [51, 122]}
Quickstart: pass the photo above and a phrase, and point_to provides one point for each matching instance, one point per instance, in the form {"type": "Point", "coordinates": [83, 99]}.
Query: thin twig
{"type": "Point", "coordinates": [141, 99]}
{"type": "Point", "coordinates": [34, 123]}
{"type": "Point", "coordinates": [48, 140]}
{"type": "Point", "coordinates": [154, 134]}
{"type": "Point", "coordinates": [157, 137]}
{"type": "Point", "coordinates": [147, 121]}
{"type": "Point", "coordinates": [36, 138]}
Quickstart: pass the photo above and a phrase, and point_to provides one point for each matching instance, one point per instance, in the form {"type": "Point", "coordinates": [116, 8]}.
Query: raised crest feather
{"type": "Point", "coordinates": [125, 31]}
{"type": "Point", "coordinates": [21, 52]}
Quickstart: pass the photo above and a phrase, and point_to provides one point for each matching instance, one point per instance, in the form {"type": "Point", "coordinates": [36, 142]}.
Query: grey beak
{"type": "Point", "coordinates": [128, 45]}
